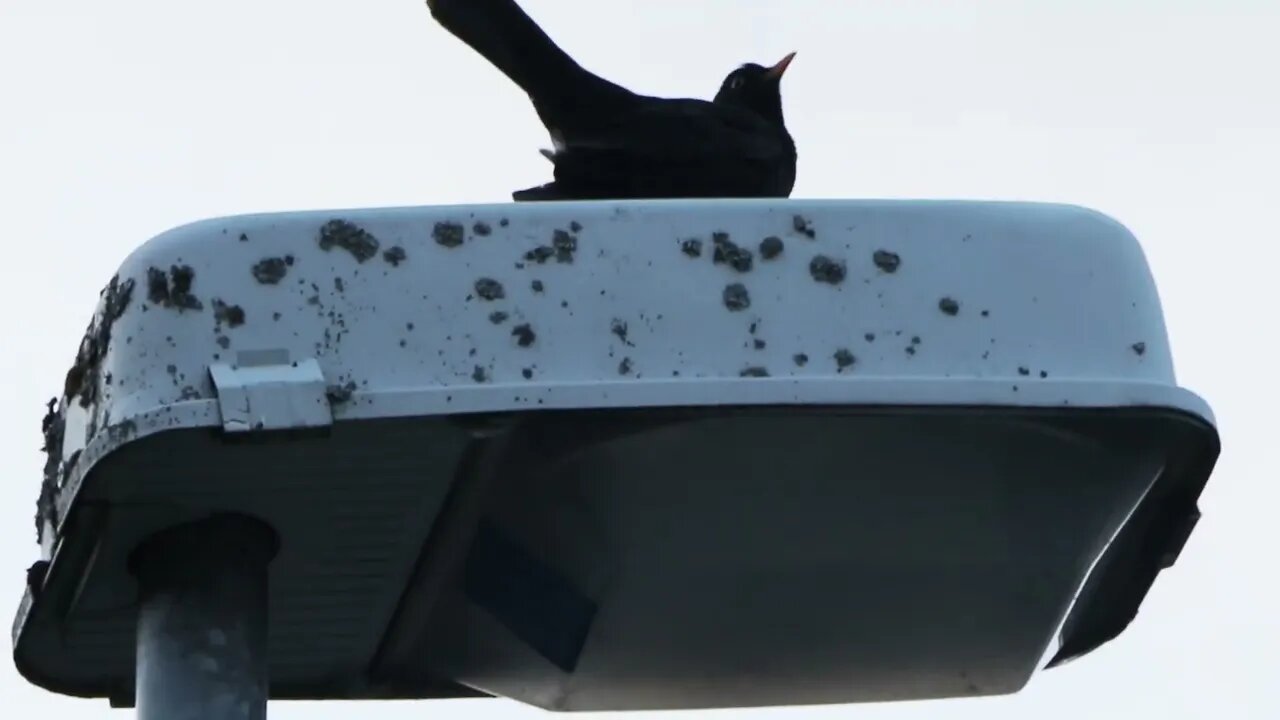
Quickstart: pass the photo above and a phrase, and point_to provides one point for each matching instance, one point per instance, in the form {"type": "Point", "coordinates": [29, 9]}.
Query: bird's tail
{"type": "Point", "coordinates": [509, 39]}
{"type": "Point", "coordinates": [542, 193]}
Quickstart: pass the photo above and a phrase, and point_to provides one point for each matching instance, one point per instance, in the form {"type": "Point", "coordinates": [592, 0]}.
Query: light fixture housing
{"type": "Point", "coordinates": [631, 455]}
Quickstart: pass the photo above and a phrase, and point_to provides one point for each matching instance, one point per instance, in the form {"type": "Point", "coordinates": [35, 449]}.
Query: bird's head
{"type": "Point", "coordinates": [757, 88]}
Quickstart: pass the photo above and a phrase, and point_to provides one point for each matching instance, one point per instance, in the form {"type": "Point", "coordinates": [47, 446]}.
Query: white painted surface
{"type": "Point", "coordinates": [607, 305]}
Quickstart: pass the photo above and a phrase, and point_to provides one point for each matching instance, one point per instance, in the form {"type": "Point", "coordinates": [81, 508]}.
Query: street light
{"type": "Point", "coordinates": [611, 455]}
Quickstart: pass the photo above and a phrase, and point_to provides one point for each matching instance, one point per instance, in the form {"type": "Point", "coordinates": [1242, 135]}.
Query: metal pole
{"type": "Point", "coordinates": [202, 624]}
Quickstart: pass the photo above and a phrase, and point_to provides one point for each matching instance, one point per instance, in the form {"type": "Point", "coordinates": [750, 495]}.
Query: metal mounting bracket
{"type": "Point", "coordinates": [265, 390]}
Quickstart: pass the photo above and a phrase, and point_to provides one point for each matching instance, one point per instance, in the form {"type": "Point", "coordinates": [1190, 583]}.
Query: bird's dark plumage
{"type": "Point", "coordinates": [36, 574]}
{"type": "Point", "coordinates": [611, 143]}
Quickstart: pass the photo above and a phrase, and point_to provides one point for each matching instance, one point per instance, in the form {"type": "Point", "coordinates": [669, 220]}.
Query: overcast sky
{"type": "Point", "coordinates": [121, 119]}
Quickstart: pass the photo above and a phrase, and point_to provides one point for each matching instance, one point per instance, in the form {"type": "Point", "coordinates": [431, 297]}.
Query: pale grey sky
{"type": "Point", "coordinates": [122, 119]}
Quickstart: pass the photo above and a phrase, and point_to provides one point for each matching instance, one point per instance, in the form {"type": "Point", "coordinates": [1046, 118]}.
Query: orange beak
{"type": "Point", "coordinates": [775, 72]}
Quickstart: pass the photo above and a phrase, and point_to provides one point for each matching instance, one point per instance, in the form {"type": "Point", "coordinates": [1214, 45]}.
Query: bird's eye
{"type": "Point", "coordinates": [736, 83]}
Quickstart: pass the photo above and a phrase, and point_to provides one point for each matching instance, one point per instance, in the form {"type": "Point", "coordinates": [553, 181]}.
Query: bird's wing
{"type": "Point", "coordinates": [676, 149]}
{"type": "Point", "coordinates": [685, 130]}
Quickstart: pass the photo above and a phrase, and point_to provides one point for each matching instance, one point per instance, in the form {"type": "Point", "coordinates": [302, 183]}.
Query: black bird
{"type": "Point", "coordinates": [611, 143]}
